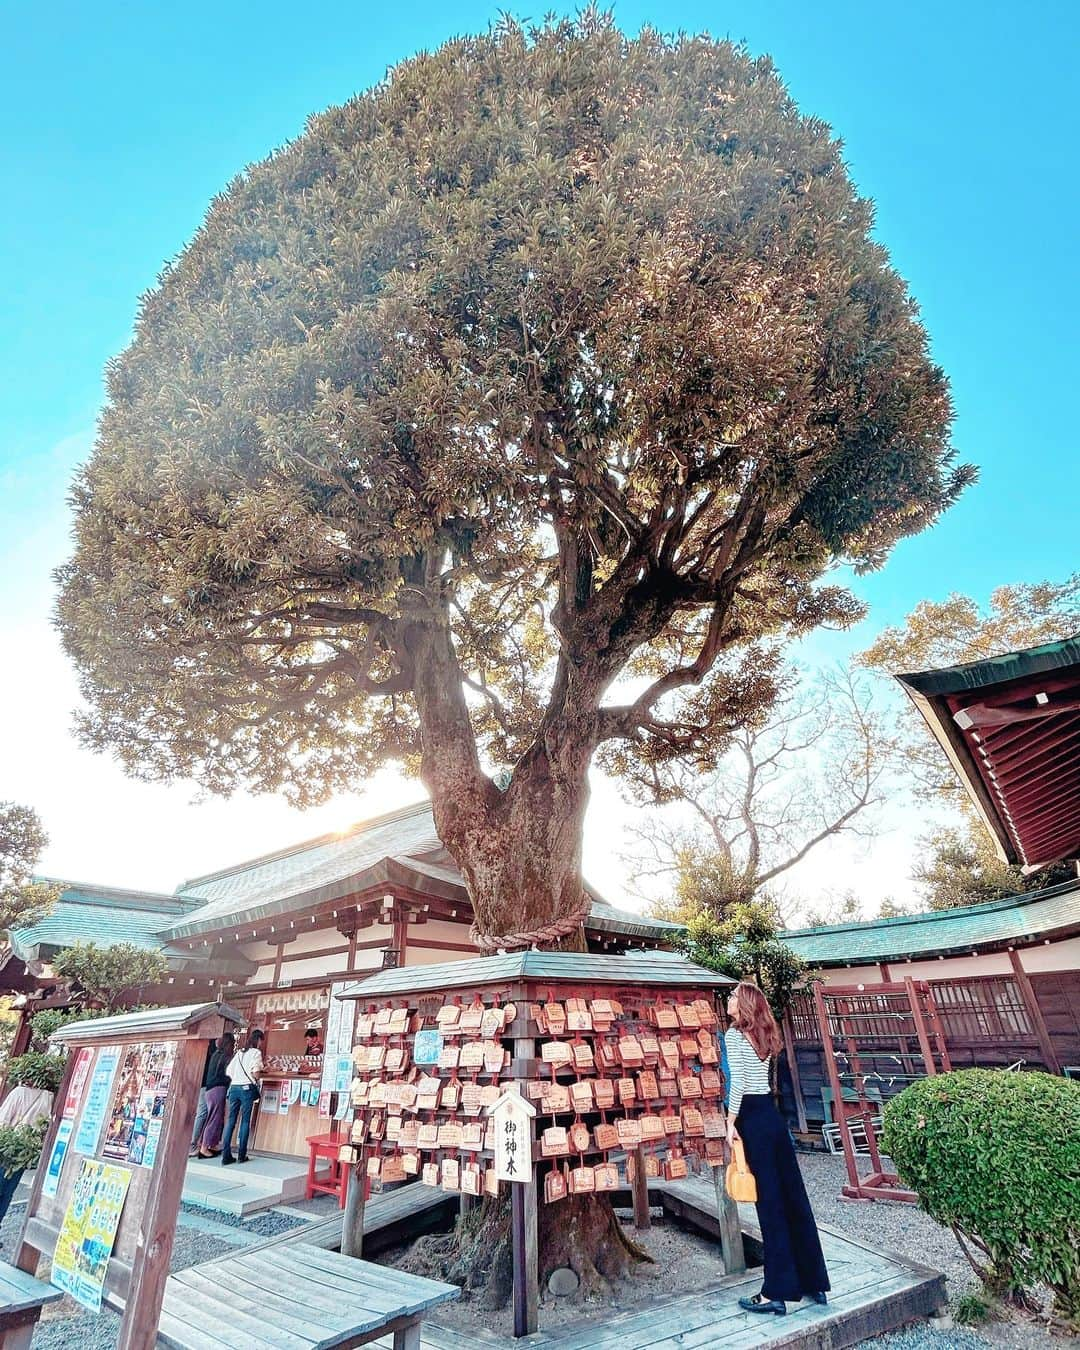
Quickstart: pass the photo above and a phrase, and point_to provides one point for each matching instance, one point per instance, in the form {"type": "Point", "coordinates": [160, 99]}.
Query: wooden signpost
{"type": "Point", "coordinates": [512, 1117]}
{"type": "Point", "coordinates": [107, 1191]}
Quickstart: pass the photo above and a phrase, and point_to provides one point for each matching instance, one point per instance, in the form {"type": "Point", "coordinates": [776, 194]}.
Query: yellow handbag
{"type": "Point", "coordinates": [741, 1185]}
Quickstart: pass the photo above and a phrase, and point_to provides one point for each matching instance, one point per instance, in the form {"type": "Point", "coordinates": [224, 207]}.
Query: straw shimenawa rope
{"type": "Point", "coordinates": [534, 937]}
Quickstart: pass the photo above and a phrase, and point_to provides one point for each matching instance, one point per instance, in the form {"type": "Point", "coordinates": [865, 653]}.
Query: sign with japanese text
{"type": "Point", "coordinates": [512, 1117]}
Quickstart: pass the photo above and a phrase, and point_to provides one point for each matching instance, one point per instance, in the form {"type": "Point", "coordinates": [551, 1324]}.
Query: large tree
{"type": "Point", "coordinates": [557, 356]}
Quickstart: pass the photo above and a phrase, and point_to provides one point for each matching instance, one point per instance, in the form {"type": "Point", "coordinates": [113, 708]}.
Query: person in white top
{"type": "Point", "coordinates": [794, 1267]}
{"type": "Point", "coordinates": [243, 1072]}
{"type": "Point", "coordinates": [25, 1104]}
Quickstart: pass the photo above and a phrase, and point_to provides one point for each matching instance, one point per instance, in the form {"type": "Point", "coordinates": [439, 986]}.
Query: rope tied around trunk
{"type": "Point", "coordinates": [534, 937]}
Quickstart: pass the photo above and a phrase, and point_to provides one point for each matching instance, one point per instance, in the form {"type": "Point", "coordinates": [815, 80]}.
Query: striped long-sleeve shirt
{"type": "Point", "coordinates": [749, 1075]}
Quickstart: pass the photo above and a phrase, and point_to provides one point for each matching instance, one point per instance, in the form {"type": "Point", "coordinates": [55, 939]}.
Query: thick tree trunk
{"type": "Point", "coordinates": [520, 854]}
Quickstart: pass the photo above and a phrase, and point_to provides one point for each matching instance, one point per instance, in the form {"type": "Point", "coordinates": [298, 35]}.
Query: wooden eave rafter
{"type": "Point", "coordinates": [1015, 743]}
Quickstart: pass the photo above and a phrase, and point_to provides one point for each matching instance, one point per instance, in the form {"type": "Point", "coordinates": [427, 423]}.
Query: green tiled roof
{"type": "Point", "coordinates": [401, 846]}
{"type": "Point", "coordinates": [100, 914]}
{"type": "Point", "coordinates": [666, 968]}
{"type": "Point", "coordinates": [1017, 919]}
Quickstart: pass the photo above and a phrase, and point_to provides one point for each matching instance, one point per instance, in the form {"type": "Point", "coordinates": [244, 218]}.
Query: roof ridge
{"type": "Point", "coordinates": [290, 850]}
{"type": "Point", "coordinates": [96, 890]}
{"type": "Point", "coordinates": [898, 921]}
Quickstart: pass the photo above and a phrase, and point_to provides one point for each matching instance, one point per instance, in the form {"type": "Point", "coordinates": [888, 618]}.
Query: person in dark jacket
{"type": "Point", "coordinates": [216, 1083]}
{"type": "Point", "coordinates": [794, 1267]}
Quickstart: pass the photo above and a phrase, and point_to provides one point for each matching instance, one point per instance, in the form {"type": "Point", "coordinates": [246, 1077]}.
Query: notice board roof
{"type": "Point", "coordinates": [649, 968]}
{"type": "Point", "coordinates": [146, 1024]}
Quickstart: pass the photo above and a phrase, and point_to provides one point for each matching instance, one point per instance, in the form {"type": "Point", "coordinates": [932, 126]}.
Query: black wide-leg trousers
{"type": "Point", "coordinates": [794, 1264]}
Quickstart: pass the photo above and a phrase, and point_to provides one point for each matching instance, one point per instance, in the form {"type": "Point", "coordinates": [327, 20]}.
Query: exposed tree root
{"type": "Point", "coordinates": [581, 1232]}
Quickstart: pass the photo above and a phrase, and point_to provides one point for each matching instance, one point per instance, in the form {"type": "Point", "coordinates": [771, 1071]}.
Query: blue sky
{"type": "Point", "coordinates": [122, 121]}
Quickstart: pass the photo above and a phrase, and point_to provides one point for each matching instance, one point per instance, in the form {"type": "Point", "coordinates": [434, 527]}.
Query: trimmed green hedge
{"type": "Point", "coordinates": [996, 1156]}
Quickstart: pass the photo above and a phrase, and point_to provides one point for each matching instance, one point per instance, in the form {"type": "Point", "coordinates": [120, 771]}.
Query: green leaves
{"type": "Point", "coordinates": [996, 1155]}
{"type": "Point", "coordinates": [23, 901]}
{"type": "Point", "coordinates": [566, 345]}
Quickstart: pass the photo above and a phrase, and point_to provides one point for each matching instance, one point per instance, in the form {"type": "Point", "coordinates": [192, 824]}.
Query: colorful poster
{"type": "Point", "coordinates": [97, 1100]}
{"type": "Point", "coordinates": [141, 1095]}
{"type": "Point", "coordinates": [153, 1134]}
{"type": "Point", "coordinates": [88, 1231]}
{"type": "Point", "coordinates": [337, 1066]}
{"type": "Point", "coordinates": [79, 1074]}
{"type": "Point", "coordinates": [324, 1105]}
{"type": "Point", "coordinates": [56, 1158]}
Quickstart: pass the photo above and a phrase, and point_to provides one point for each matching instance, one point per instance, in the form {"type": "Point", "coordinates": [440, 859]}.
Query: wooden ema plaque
{"type": "Point", "coordinates": [118, 1145]}
{"type": "Point", "coordinates": [616, 1054]}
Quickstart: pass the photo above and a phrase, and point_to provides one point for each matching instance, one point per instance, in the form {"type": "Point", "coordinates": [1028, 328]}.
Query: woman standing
{"type": "Point", "coordinates": [794, 1264]}
{"type": "Point", "coordinates": [243, 1072]}
{"type": "Point", "coordinates": [216, 1082]}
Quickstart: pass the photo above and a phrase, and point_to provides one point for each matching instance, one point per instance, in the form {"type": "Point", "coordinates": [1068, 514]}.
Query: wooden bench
{"type": "Point", "coordinates": [21, 1301]}
{"type": "Point", "coordinates": [295, 1298]}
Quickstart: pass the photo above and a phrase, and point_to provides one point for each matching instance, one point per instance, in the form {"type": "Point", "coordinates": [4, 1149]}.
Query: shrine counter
{"type": "Point", "coordinates": [288, 1112]}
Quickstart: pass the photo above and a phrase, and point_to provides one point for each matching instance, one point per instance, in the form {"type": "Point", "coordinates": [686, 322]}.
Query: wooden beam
{"type": "Point", "coordinates": [641, 1190]}
{"type": "Point", "coordinates": [1031, 1002]}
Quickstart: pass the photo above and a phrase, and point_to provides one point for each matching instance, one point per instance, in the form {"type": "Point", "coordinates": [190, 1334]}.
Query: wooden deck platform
{"type": "Point", "coordinates": [872, 1292]}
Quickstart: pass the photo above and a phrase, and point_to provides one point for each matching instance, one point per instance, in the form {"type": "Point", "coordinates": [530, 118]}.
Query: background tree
{"type": "Point", "coordinates": [961, 867]}
{"type": "Point", "coordinates": [111, 978]}
{"type": "Point", "coordinates": [556, 358]}
{"type": "Point", "coordinates": [745, 945]}
{"type": "Point", "coordinates": [948, 633]}
{"type": "Point", "coordinates": [23, 901]}
{"type": "Point", "coordinates": [807, 773]}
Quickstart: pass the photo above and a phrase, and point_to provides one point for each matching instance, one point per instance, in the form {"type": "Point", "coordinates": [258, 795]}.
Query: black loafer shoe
{"type": "Point", "coordinates": [227, 1161]}
{"type": "Point", "coordinates": [820, 1297]}
{"type": "Point", "coordinates": [758, 1304]}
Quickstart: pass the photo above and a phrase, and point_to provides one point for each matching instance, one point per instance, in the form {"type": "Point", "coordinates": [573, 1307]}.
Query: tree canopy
{"type": "Point", "coordinates": [23, 901]}
{"type": "Point", "coordinates": [556, 358]}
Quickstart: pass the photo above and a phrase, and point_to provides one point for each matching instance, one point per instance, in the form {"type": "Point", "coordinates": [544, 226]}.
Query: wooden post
{"type": "Point", "coordinates": [641, 1190]}
{"type": "Point", "coordinates": [150, 1269]}
{"type": "Point", "coordinates": [28, 1256]}
{"type": "Point", "coordinates": [1031, 1002]}
{"type": "Point", "coordinates": [352, 1220]}
{"type": "Point", "coordinates": [727, 1215]}
{"type": "Point", "coordinates": [793, 1070]}
{"type": "Point", "coordinates": [525, 1255]}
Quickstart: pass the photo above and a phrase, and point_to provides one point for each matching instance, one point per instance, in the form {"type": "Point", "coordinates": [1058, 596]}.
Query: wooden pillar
{"type": "Point", "coordinates": [641, 1190]}
{"type": "Point", "coordinates": [352, 1221]}
{"type": "Point", "coordinates": [526, 1255]}
{"type": "Point", "coordinates": [150, 1268]}
{"type": "Point", "coordinates": [793, 1069]}
{"type": "Point", "coordinates": [727, 1215]}
{"type": "Point", "coordinates": [1027, 992]}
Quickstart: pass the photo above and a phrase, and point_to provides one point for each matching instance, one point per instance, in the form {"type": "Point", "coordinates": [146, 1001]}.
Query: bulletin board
{"type": "Point", "coordinates": [106, 1195]}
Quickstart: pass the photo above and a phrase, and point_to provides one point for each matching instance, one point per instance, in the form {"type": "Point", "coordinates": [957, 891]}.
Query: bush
{"type": "Point", "coordinates": [45, 1024]}
{"type": "Point", "coordinates": [20, 1146]}
{"type": "Point", "coordinates": [36, 1070]}
{"type": "Point", "coordinates": [996, 1156]}
{"type": "Point", "coordinates": [970, 1310]}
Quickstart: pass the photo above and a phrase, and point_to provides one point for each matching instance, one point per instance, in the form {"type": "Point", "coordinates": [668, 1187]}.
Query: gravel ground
{"type": "Point", "coordinates": [906, 1230]}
